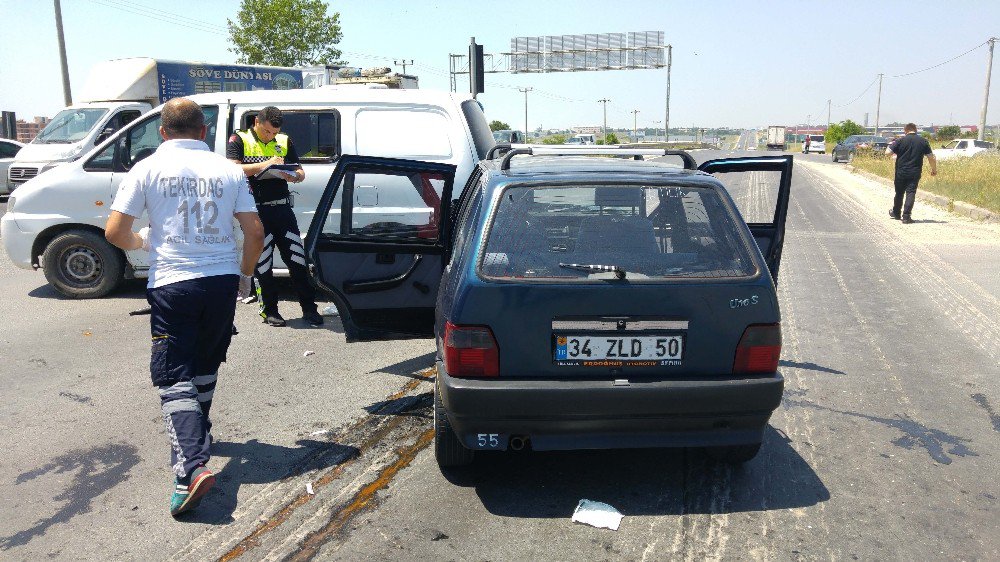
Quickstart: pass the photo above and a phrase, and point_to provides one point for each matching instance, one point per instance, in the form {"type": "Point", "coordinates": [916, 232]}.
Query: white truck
{"type": "Point", "coordinates": [56, 221]}
{"type": "Point", "coordinates": [776, 137]}
{"type": "Point", "coordinates": [119, 91]}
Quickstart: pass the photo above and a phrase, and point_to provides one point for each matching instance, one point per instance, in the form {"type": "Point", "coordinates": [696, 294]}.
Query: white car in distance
{"type": "Point", "coordinates": [962, 147]}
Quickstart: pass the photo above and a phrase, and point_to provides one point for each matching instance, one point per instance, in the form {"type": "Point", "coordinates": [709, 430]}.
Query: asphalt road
{"type": "Point", "coordinates": [885, 446]}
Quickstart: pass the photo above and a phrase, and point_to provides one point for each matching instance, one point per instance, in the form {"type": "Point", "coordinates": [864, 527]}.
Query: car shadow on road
{"type": "Point", "coordinates": [643, 481]}
{"type": "Point", "coordinates": [130, 289]}
{"type": "Point", "coordinates": [414, 368]}
{"type": "Point", "coordinates": [254, 462]}
{"type": "Point", "coordinates": [809, 366]}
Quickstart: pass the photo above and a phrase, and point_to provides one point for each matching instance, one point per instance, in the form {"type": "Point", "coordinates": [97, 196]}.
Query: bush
{"type": "Point", "coordinates": [948, 132]}
{"type": "Point", "coordinates": [554, 139]}
{"type": "Point", "coordinates": [975, 180]}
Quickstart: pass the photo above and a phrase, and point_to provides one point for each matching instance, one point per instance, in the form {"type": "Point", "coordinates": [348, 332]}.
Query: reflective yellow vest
{"type": "Point", "coordinates": [256, 151]}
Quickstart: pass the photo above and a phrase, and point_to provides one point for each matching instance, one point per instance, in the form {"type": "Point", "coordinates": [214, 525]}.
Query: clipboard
{"type": "Point", "coordinates": [278, 172]}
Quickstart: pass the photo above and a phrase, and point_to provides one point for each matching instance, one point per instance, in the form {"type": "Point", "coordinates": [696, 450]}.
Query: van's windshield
{"type": "Point", "coordinates": [69, 126]}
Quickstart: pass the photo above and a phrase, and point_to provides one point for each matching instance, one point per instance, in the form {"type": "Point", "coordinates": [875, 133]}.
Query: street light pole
{"type": "Point", "coordinates": [666, 120]}
{"type": "Point", "coordinates": [981, 135]}
{"type": "Point", "coordinates": [67, 96]}
{"type": "Point", "coordinates": [878, 103]}
{"type": "Point", "coordinates": [635, 134]}
{"type": "Point", "coordinates": [402, 63]}
{"type": "Point", "coordinates": [605, 102]}
{"type": "Point", "coordinates": [525, 90]}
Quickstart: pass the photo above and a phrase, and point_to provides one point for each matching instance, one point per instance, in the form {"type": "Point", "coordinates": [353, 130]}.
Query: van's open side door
{"type": "Point", "coordinates": [377, 243]}
{"type": "Point", "coordinates": [761, 194]}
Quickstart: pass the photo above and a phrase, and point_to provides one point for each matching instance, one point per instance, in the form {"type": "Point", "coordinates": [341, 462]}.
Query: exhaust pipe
{"type": "Point", "coordinates": [518, 442]}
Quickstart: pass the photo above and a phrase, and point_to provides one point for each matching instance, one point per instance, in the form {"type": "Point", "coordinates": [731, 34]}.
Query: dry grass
{"type": "Point", "coordinates": [974, 180]}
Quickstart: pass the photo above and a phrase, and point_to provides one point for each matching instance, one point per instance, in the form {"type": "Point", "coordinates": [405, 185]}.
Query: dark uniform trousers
{"type": "Point", "coordinates": [281, 231]}
{"type": "Point", "coordinates": [905, 186]}
{"type": "Point", "coordinates": [191, 323]}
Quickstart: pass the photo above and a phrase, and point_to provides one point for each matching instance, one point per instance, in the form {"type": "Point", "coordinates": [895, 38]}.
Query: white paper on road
{"type": "Point", "coordinates": [597, 514]}
{"type": "Point", "coordinates": [309, 489]}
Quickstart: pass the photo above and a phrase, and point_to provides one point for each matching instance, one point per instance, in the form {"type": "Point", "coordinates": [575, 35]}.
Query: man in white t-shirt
{"type": "Point", "coordinates": [191, 195]}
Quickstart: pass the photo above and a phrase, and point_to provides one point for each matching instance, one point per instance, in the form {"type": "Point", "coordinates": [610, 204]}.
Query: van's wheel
{"type": "Point", "coordinates": [733, 454]}
{"type": "Point", "coordinates": [448, 450]}
{"type": "Point", "coordinates": [83, 265]}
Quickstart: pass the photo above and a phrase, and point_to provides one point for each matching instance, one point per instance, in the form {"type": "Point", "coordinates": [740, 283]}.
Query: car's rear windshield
{"type": "Point", "coordinates": [558, 232]}
{"type": "Point", "coordinates": [816, 138]}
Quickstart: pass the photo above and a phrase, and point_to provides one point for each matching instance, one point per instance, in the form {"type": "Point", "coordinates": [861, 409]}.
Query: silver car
{"type": "Point", "coordinates": [8, 149]}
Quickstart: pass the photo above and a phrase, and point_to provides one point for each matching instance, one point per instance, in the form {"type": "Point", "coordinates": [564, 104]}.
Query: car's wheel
{"type": "Point", "coordinates": [833, 156]}
{"type": "Point", "coordinates": [448, 450]}
{"type": "Point", "coordinates": [733, 454]}
{"type": "Point", "coordinates": [850, 157]}
{"type": "Point", "coordinates": [83, 265]}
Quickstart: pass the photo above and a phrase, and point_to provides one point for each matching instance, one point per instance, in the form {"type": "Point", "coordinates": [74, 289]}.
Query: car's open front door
{"type": "Point", "coordinates": [377, 242]}
{"type": "Point", "coordinates": [760, 187]}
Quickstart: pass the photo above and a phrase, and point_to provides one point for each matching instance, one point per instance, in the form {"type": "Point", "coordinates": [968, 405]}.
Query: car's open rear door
{"type": "Point", "coordinates": [377, 242]}
{"type": "Point", "coordinates": [760, 187]}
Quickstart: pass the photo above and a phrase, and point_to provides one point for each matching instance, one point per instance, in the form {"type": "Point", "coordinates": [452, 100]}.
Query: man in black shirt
{"type": "Point", "coordinates": [255, 149]}
{"type": "Point", "coordinates": [909, 151]}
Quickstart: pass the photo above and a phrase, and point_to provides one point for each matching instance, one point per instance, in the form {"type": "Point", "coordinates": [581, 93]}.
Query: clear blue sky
{"type": "Point", "coordinates": [738, 63]}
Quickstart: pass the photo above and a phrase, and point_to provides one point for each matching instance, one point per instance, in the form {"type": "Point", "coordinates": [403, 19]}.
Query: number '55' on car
{"type": "Point", "coordinates": [577, 302]}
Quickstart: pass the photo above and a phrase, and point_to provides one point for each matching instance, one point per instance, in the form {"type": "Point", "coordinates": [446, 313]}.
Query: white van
{"type": "Point", "coordinates": [56, 220]}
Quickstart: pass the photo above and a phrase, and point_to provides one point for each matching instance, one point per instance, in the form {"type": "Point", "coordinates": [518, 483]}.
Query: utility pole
{"type": "Point", "coordinates": [605, 102]}
{"type": "Point", "coordinates": [635, 133]}
{"type": "Point", "coordinates": [525, 90]}
{"type": "Point", "coordinates": [981, 135]}
{"type": "Point", "coordinates": [666, 121]}
{"type": "Point", "coordinates": [878, 102]}
{"type": "Point", "coordinates": [829, 103]}
{"type": "Point", "coordinates": [402, 63]}
{"type": "Point", "coordinates": [67, 95]}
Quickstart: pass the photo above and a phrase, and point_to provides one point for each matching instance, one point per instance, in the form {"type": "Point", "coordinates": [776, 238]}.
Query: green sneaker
{"type": "Point", "coordinates": [188, 496]}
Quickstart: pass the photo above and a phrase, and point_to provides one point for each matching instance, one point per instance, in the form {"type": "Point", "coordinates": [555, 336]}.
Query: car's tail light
{"type": "Point", "coordinates": [470, 351]}
{"type": "Point", "coordinates": [759, 350]}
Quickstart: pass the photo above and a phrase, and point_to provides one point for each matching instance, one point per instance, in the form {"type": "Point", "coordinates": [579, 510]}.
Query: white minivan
{"type": "Point", "coordinates": [55, 221]}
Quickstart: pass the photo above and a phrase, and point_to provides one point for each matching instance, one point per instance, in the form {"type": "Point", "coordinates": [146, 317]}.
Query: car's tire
{"type": "Point", "coordinates": [850, 157]}
{"type": "Point", "coordinates": [448, 450]}
{"type": "Point", "coordinates": [733, 454]}
{"type": "Point", "coordinates": [833, 156]}
{"type": "Point", "coordinates": [81, 264]}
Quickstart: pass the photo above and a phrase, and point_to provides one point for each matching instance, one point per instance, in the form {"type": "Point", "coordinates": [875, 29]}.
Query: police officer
{"type": "Point", "coordinates": [255, 149]}
{"type": "Point", "coordinates": [190, 195]}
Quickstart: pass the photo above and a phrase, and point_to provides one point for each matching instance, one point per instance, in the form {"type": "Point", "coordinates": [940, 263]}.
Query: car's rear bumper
{"type": "Point", "coordinates": [596, 414]}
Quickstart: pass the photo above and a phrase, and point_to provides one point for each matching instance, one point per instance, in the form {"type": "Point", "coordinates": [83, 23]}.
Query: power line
{"type": "Point", "coordinates": [861, 94]}
{"type": "Point", "coordinates": [165, 17]}
{"type": "Point", "coordinates": [941, 63]}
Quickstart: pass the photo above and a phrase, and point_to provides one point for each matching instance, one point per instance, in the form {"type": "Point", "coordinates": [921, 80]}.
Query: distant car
{"type": "Point", "coordinates": [848, 148]}
{"type": "Point", "coordinates": [577, 303]}
{"type": "Point", "coordinates": [8, 149]}
{"type": "Point", "coordinates": [962, 147]}
{"type": "Point", "coordinates": [506, 136]}
{"type": "Point", "coordinates": [574, 140]}
{"type": "Point", "coordinates": [817, 143]}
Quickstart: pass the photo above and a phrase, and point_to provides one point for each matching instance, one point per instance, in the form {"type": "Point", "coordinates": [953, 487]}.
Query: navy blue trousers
{"type": "Point", "coordinates": [191, 324]}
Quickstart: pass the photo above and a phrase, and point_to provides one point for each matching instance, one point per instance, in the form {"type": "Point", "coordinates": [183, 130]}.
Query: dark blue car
{"type": "Point", "coordinates": [577, 302]}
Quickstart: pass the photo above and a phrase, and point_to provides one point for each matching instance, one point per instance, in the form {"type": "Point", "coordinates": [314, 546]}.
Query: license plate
{"type": "Point", "coordinates": [600, 350]}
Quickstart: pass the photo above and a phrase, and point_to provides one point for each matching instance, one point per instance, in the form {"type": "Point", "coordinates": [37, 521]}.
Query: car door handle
{"type": "Point", "coordinates": [372, 285]}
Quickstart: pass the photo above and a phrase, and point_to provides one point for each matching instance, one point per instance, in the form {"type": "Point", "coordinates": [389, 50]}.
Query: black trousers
{"type": "Point", "coordinates": [281, 231]}
{"type": "Point", "coordinates": [905, 185]}
{"type": "Point", "coordinates": [191, 323]}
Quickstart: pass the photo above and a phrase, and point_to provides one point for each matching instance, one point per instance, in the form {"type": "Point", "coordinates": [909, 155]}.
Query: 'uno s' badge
{"type": "Point", "coordinates": [740, 303]}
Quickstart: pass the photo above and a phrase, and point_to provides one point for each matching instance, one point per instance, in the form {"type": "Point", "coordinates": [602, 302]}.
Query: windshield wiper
{"type": "Point", "coordinates": [617, 269]}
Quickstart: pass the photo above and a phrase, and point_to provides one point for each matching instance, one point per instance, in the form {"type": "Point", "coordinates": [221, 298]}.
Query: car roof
{"type": "Point", "coordinates": [584, 168]}
{"type": "Point", "coordinates": [333, 94]}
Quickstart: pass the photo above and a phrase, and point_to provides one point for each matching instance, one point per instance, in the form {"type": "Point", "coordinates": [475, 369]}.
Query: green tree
{"type": "Point", "coordinates": [840, 131]}
{"type": "Point", "coordinates": [948, 132]}
{"type": "Point", "coordinates": [554, 139]}
{"type": "Point", "coordinates": [285, 33]}
{"type": "Point", "coordinates": [497, 125]}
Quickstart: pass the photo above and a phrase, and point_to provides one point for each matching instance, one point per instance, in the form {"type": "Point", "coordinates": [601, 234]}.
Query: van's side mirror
{"type": "Point", "coordinates": [107, 132]}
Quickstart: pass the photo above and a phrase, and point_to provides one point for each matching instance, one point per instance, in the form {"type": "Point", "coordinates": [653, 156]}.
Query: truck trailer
{"type": "Point", "coordinates": [119, 91]}
{"type": "Point", "coordinates": [776, 137]}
